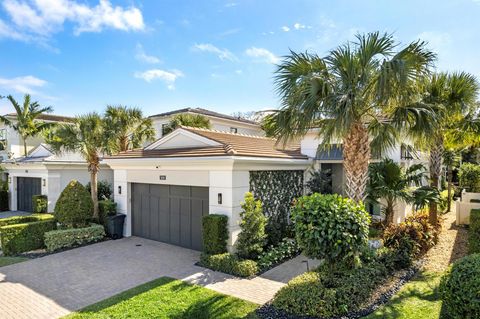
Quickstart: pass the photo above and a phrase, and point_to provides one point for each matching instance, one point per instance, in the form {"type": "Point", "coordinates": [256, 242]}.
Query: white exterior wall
{"type": "Point", "coordinates": [464, 206]}
{"type": "Point", "coordinates": [14, 144]}
{"type": "Point", "coordinates": [38, 172]}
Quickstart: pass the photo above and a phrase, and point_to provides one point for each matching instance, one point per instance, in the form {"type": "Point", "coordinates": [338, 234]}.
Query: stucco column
{"type": "Point", "coordinates": [121, 196]}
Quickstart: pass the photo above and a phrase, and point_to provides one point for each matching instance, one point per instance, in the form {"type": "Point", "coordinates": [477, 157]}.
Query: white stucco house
{"type": "Point", "coordinates": [166, 188]}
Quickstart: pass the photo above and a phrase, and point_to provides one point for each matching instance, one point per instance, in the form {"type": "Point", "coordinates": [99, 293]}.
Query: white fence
{"type": "Point", "coordinates": [464, 205]}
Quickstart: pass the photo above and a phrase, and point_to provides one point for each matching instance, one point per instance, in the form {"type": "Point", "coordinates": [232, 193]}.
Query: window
{"type": "Point", "coordinates": [3, 139]}
{"type": "Point", "coordinates": [233, 130]}
{"type": "Point", "coordinates": [164, 128]}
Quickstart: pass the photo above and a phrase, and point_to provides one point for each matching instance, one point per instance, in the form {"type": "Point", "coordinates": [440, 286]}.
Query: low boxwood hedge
{"type": "Point", "coordinates": [72, 237]}
{"type": "Point", "coordinates": [230, 264]}
{"type": "Point", "coordinates": [474, 232]}
{"type": "Point", "coordinates": [25, 219]}
{"type": "Point", "coordinates": [19, 238]}
{"type": "Point", "coordinates": [215, 234]}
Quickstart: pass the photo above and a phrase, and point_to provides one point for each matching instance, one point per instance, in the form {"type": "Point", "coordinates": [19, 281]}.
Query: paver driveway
{"type": "Point", "coordinates": [57, 284]}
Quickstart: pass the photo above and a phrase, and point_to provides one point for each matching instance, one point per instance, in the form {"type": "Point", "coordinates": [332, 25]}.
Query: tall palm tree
{"type": "Point", "coordinates": [126, 128]}
{"type": "Point", "coordinates": [185, 119]}
{"type": "Point", "coordinates": [390, 182]}
{"type": "Point", "coordinates": [452, 97]}
{"type": "Point", "coordinates": [86, 135]}
{"type": "Point", "coordinates": [26, 122]}
{"type": "Point", "coordinates": [451, 158]}
{"type": "Point", "coordinates": [359, 95]}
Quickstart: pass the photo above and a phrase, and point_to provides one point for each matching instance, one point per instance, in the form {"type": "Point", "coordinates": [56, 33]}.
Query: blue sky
{"type": "Point", "coordinates": [160, 55]}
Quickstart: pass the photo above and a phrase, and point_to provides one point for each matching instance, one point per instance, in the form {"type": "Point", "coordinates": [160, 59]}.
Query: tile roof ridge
{"type": "Point", "coordinates": [225, 132]}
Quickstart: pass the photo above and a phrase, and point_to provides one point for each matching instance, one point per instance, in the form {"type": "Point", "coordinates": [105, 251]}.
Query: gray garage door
{"type": "Point", "coordinates": [170, 214]}
{"type": "Point", "coordinates": [26, 188]}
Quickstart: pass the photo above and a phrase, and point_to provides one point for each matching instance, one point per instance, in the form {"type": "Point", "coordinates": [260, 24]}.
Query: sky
{"type": "Point", "coordinates": [160, 55]}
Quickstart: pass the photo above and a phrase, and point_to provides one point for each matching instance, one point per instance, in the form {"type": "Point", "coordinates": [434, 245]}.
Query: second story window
{"type": "Point", "coordinates": [3, 139]}
{"type": "Point", "coordinates": [233, 130]}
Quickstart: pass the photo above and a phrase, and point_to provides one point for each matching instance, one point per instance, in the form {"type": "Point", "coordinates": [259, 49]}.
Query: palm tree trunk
{"type": "Point", "coordinates": [389, 212]}
{"type": "Point", "coordinates": [435, 166]}
{"type": "Point", "coordinates": [24, 146]}
{"type": "Point", "coordinates": [93, 168]}
{"type": "Point", "coordinates": [449, 192]}
{"type": "Point", "coordinates": [356, 156]}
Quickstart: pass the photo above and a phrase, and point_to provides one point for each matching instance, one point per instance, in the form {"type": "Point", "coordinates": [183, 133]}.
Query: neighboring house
{"type": "Point", "coordinates": [166, 188]}
{"type": "Point", "coordinates": [44, 173]}
{"type": "Point", "coordinates": [11, 144]}
{"type": "Point", "coordinates": [220, 122]}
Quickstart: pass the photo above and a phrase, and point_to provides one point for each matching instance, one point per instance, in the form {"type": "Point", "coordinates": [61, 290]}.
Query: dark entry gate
{"type": "Point", "coordinates": [26, 188]}
{"type": "Point", "coordinates": [170, 214]}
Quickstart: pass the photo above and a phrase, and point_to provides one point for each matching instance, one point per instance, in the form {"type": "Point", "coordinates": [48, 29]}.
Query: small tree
{"type": "Point", "coordinates": [252, 237]}
{"type": "Point", "coordinates": [185, 119]}
{"type": "Point", "coordinates": [469, 177]}
{"type": "Point", "coordinates": [330, 227]}
{"type": "Point", "coordinates": [74, 207]}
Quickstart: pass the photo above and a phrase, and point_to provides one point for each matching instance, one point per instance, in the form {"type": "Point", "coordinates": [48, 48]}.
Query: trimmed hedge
{"type": "Point", "coordinates": [460, 286]}
{"type": "Point", "coordinates": [72, 237]}
{"type": "Point", "coordinates": [74, 207]}
{"type": "Point", "coordinates": [215, 234]}
{"type": "Point", "coordinates": [25, 219]}
{"type": "Point", "coordinates": [230, 264]}
{"type": "Point", "coordinates": [19, 238]}
{"type": "Point", "coordinates": [40, 203]}
{"type": "Point", "coordinates": [474, 232]}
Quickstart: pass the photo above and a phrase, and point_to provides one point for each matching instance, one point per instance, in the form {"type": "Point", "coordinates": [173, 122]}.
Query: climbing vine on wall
{"type": "Point", "coordinates": [276, 190]}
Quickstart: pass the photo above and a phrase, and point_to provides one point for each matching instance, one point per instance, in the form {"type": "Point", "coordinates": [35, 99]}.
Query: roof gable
{"type": "Point", "coordinates": [40, 151]}
{"type": "Point", "coordinates": [182, 138]}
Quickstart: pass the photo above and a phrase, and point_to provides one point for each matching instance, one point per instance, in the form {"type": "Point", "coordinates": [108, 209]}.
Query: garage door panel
{"type": "Point", "coordinates": [171, 214]}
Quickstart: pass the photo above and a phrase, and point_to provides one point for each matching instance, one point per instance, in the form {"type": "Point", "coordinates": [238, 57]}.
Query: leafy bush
{"type": "Point", "coordinates": [330, 293]}
{"type": "Point", "coordinates": [443, 202]}
{"type": "Point", "coordinates": [330, 227]}
{"type": "Point", "coordinates": [24, 219]}
{"type": "Point", "coordinates": [215, 234]}
{"type": "Point", "coordinates": [229, 264]}
{"type": "Point", "coordinates": [18, 238]}
{"type": "Point", "coordinates": [40, 204]}
{"type": "Point", "coordinates": [74, 207]}
{"type": "Point", "coordinates": [401, 256]}
{"type": "Point", "coordinates": [104, 190]}
{"type": "Point", "coordinates": [106, 208]}
{"type": "Point", "coordinates": [320, 182]}
{"type": "Point", "coordinates": [251, 239]}
{"type": "Point", "coordinates": [4, 195]}
{"type": "Point", "coordinates": [416, 231]}
{"type": "Point", "coordinates": [460, 286]}
{"type": "Point", "coordinates": [72, 237]}
{"type": "Point", "coordinates": [469, 177]}
{"type": "Point", "coordinates": [272, 256]}
{"type": "Point", "coordinates": [474, 232]}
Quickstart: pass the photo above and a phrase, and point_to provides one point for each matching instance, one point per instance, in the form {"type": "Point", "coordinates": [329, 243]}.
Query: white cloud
{"type": "Point", "coordinates": [262, 55]}
{"type": "Point", "coordinates": [298, 26]}
{"type": "Point", "coordinates": [223, 54]}
{"type": "Point", "coordinates": [23, 84]}
{"type": "Point", "coordinates": [285, 28]}
{"type": "Point", "coordinates": [168, 77]}
{"type": "Point", "coordinates": [437, 41]}
{"type": "Point", "coordinates": [46, 17]}
{"type": "Point", "coordinates": [239, 72]}
{"type": "Point", "coordinates": [143, 57]}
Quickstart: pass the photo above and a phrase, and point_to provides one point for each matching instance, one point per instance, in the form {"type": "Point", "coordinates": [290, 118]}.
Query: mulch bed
{"type": "Point", "coordinates": [380, 297]}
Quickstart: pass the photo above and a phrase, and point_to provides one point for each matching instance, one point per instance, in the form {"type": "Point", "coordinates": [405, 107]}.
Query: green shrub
{"type": "Point", "coordinates": [469, 177]}
{"type": "Point", "coordinates": [74, 207]}
{"type": "Point", "coordinates": [104, 190]}
{"type": "Point", "coordinates": [417, 229]}
{"type": "Point", "coordinates": [330, 293]}
{"type": "Point", "coordinates": [229, 264]}
{"type": "Point", "coordinates": [330, 227]}
{"type": "Point", "coordinates": [460, 287]}
{"type": "Point", "coordinates": [19, 238]}
{"type": "Point", "coordinates": [72, 237]}
{"type": "Point", "coordinates": [252, 237]}
{"type": "Point", "coordinates": [40, 204]}
{"type": "Point", "coordinates": [272, 256]}
{"type": "Point", "coordinates": [4, 195]}
{"type": "Point", "coordinates": [474, 232]}
{"type": "Point", "coordinates": [25, 219]}
{"type": "Point", "coordinates": [106, 208]}
{"type": "Point", "coordinates": [215, 234]}
{"type": "Point", "coordinates": [443, 202]}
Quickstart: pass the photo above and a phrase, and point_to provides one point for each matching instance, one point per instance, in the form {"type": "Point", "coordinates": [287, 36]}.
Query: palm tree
{"type": "Point", "coordinates": [452, 97]}
{"type": "Point", "coordinates": [451, 158]}
{"type": "Point", "coordinates": [126, 128]}
{"type": "Point", "coordinates": [86, 135]}
{"type": "Point", "coordinates": [390, 182]}
{"type": "Point", "coordinates": [26, 122]}
{"type": "Point", "coordinates": [359, 95]}
{"type": "Point", "coordinates": [185, 119]}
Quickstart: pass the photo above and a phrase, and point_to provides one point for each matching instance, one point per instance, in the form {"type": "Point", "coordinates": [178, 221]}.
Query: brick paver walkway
{"type": "Point", "coordinates": [55, 285]}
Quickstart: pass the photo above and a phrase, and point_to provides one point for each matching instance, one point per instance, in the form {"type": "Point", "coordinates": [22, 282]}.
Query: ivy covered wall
{"type": "Point", "coordinates": [276, 190]}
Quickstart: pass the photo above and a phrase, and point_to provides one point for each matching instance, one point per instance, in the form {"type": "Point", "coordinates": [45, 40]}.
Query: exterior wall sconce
{"type": "Point", "coordinates": [119, 189]}
{"type": "Point", "coordinates": [44, 182]}
{"type": "Point", "coordinates": [220, 198]}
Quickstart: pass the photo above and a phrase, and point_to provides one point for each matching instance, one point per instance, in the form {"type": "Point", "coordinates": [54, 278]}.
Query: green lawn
{"type": "Point", "coordinates": [418, 299]}
{"type": "Point", "coordinates": [5, 261]}
{"type": "Point", "coordinates": [168, 298]}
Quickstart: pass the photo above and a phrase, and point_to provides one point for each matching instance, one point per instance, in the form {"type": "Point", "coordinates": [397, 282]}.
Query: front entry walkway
{"type": "Point", "coordinates": [55, 285]}
{"type": "Point", "coordinates": [8, 214]}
